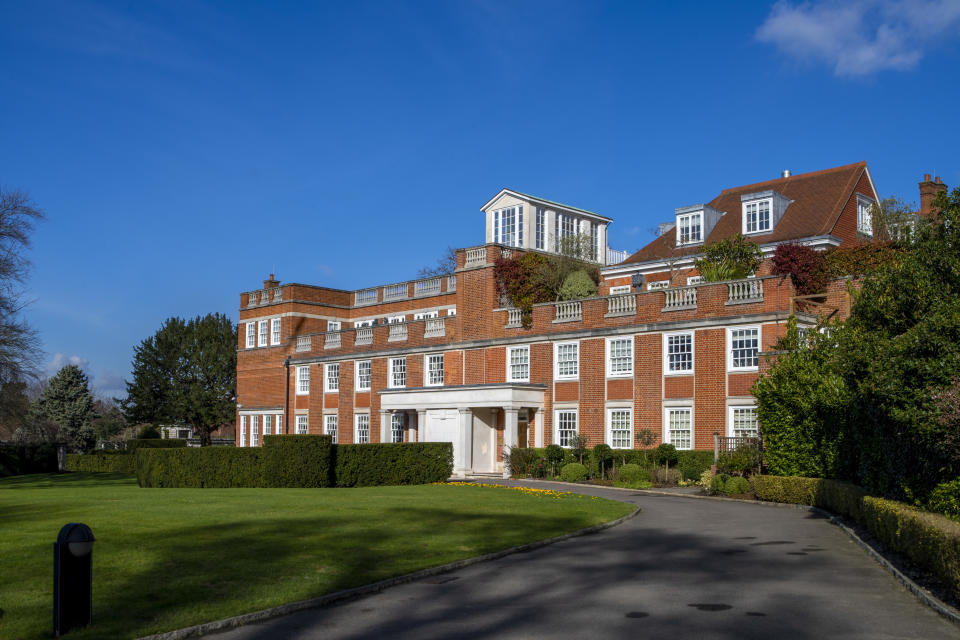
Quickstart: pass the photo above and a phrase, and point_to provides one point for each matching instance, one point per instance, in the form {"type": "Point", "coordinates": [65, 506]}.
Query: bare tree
{"type": "Point", "coordinates": [446, 265]}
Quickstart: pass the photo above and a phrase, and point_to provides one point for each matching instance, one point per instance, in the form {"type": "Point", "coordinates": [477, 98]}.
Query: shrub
{"type": "Point", "coordinates": [148, 432]}
{"type": "Point", "coordinates": [631, 473]}
{"type": "Point", "coordinates": [519, 461]}
{"type": "Point", "coordinates": [805, 267]}
{"type": "Point", "coordinates": [945, 499]}
{"type": "Point", "coordinates": [729, 259]}
{"type": "Point", "coordinates": [736, 485]}
{"type": "Point", "coordinates": [573, 472]}
{"type": "Point", "coordinates": [665, 477]}
{"type": "Point", "coordinates": [739, 462]}
{"type": "Point", "coordinates": [137, 443]}
{"type": "Point", "coordinates": [577, 285]}
{"type": "Point", "coordinates": [21, 459]}
{"type": "Point", "coordinates": [602, 453]}
{"type": "Point", "coordinates": [368, 465]}
{"type": "Point", "coordinates": [706, 478]}
{"type": "Point", "coordinates": [101, 462]}
{"type": "Point", "coordinates": [578, 446]}
{"type": "Point", "coordinates": [665, 454]}
{"type": "Point", "coordinates": [555, 455]}
{"type": "Point", "coordinates": [299, 460]}
{"type": "Point", "coordinates": [693, 463]}
{"type": "Point", "coordinates": [221, 467]}
{"type": "Point", "coordinates": [718, 482]}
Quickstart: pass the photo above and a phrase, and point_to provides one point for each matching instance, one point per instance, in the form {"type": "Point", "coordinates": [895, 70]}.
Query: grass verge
{"type": "Point", "coordinates": [170, 558]}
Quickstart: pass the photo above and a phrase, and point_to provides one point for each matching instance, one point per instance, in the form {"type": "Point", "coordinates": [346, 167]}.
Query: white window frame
{"type": "Point", "coordinates": [331, 384]}
{"type": "Point", "coordinates": [864, 215]}
{"type": "Point", "coordinates": [263, 329]}
{"type": "Point", "coordinates": [396, 319]}
{"type": "Point", "coordinates": [303, 380]}
{"type": "Point", "coordinates": [330, 426]}
{"type": "Point", "coordinates": [397, 423]}
{"type": "Point", "coordinates": [730, 360]}
{"type": "Point", "coordinates": [754, 207]}
{"type": "Point", "coordinates": [667, 369]}
{"type": "Point", "coordinates": [667, 437]}
{"type": "Point", "coordinates": [423, 315]}
{"type": "Point", "coordinates": [609, 361]}
{"type": "Point", "coordinates": [541, 229]}
{"type": "Point", "coordinates": [254, 430]}
{"type": "Point", "coordinates": [733, 408]}
{"type": "Point", "coordinates": [397, 379]}
{"type": "Point", "coordinates": [694, 280]}
{"type": "Point", "coordinates": [267, 425]}
{"type": "Point", "coordinates": [357, 420]}
{"type": "Point", "coordinates": [369, 367]}
{"type": "Point", "coordinates": [620, 288]}
{"type": "Point", "coordinates": [429, 370]}
{"type": "Point", "coordinates": [243, 431]}
{"type": "Point", "coordinates": [556, 359]}
{"type": "Point", "coordinates": [274, 331]}
{"type": "Point", "coordinates": [303, 424]}
{"type": "Point", "coordinates": [655, 285]}
{"type": "Point", "coordinates": [251, 335]}
{"type": "Point", "coordinates": [510, 364]}
{"type": "Point", "coordinates": [333, 325]}
{"type": "Point", "coordinates": [278, 424]}
{"type": "Point", "coordinates": [688, 220]}
{"type": "Point", "coordinates": [556, 425]}
{"type": "Point", "coordinates": [362, 323]}
{"type": "Point", "coordinates": [609, 427]}
{"type": "Point", "coordinates": [452, 312]}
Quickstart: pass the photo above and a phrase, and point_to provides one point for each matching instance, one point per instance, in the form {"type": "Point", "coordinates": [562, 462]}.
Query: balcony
{"type": "Point", "coordinates": [398, 332]}
{"type": "Point", "coordinates": [569, 311]}
{"type": "Point", "coordinates": [514, 318]}
{"type": "Point", "coordinates": [621, 305]}
{"type": "Point", "coordinates": [278, 295]}
{"type": "Point", "coordinates": [365, 297]}
{"type": "Point", "coordinates": [476, 257]}
{"type": "Point", "coordinates": [744, 291]}
{"type": "Point", "coordinates": [680, 298]}
{"type": "Point", "coordinates": [364, 335]}
{"type": "Point", "coordinates": [252, 298]}
{"type": "Point", "coordinates": [395, 292]}
{"type": "Point", "coordinates": [616, 257]}
{"type": "Point", "coordinates": [304, 343]}
{"type": "Point", "coordinates": [434, 328]}
{"type": "Point", "coordinates": [451, 284]}
{"type": "Point", "coordinates": [331, 340]}
{"type": "Point", "coordinates": [427, 287]}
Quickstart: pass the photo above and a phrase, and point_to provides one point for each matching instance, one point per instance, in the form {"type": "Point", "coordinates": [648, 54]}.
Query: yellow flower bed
{"type": "Point", "coordinates": [540, 493]}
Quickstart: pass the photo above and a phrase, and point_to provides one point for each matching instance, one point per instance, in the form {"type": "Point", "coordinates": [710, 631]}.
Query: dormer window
{"type": "Point", "coordinates": [690, 228]}
{"type": "Point", "coordinates": [756, 217]}
{"type": "Point", "coordinates": [508, 226]}
{"type": "Point", "coordinates": [864, 215]}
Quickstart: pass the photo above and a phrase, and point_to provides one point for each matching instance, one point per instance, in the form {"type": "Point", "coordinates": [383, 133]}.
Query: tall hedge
{"type": "Point", "coordinates": [154, 443]}
{"type": "Point", "coordinates": [21, 459]}
{"type": "Point", "coordinates": [296, 461]}
{"type": "Point", "coordinates": [101, 462]}
{"type": "Point", "coordinates": [368, 465]}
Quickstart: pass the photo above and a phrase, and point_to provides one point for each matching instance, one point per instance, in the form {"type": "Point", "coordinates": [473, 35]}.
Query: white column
{"type": "Point", "coordinates": [384, 425]}
{"type": "Point", "coordinates": [538, 428]}
{"type": "Point", "coordinates": [509, 434]}
{"type": "Point", "coordinates": [463, 459]}
{"type": "Point", "coordinates": [412, 424]}
{"type": "Point", "coordinates": [421, 425]}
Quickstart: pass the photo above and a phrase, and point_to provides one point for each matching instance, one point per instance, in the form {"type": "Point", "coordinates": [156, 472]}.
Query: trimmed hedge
{"type": "Point", "coordinates": [369, 465]}
{"type": "Point", "coordinates": [573, 472]}
{"type": "Point", "coordinates": [153, 443]}
{"type": "Point", "coordinates": [691, 463]}
{"type": "Point", "coordinates": [21, 459]}
{"type": "Point", "coordinates": [101, 462]}
{"type": "Point", "coordinates": [296, 461]}
{"type": "Point", "coordinates": [930, 540]}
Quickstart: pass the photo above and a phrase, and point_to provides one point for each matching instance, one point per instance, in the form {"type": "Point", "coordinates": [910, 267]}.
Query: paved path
{"type": "Point", "coordinates": [681, 569]}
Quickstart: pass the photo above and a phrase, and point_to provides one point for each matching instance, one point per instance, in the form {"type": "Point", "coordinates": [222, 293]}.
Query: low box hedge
{"type": "Point", "coordinates": [101, 462]}
{"type": "Point", "coordinates": [930, 540]}
{"type": "Point", "coordinates": [691, 463]}
{"type": "Point", "coordinates": [296, 461]}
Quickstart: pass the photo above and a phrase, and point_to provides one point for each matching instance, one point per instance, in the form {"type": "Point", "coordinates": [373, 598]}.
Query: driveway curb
{"type": "Point", "coordinates": [356, 592]}
{"type": "Point", "coordinates": [938, 605]}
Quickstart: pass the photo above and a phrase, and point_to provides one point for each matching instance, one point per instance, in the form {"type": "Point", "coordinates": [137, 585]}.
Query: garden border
{"type": "Point", "coordinates": [375, 587]}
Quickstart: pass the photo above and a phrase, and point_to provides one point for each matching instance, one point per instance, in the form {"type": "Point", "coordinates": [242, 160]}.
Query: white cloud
{"type": "Point", "coordinates": [860, 37]}
{"type": "Point", "coordinates": [60, 360]}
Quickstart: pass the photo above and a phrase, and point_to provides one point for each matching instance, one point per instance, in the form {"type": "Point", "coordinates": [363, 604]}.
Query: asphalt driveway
{"type": "Point", "coordinates": [682, 568]}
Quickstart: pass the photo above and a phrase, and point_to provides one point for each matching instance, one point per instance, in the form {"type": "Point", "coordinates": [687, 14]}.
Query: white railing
{"type": "Point", "coordinates": [331, 340]}
{"type": "Point", "coordinates": [304, 343]}
{"type": "Point", "coordinates": [616, 257]}
{"type": "Point", "coordinates": [395, 292]}
{"type": "Point", "coordinates": [278, 295]}
{"type": "Point", "coordinates": [514, 318]}
{"type": "Point", "coordinates": [434, 328]}
{"type": "Point", "coordinates": [506, 254]}
{"type": "Point", "coordinates": [451, 283]}
{"type": "Point", "coordinates": [680, 298]}
{"type": "Point", "coordinates": [367, 296]}
{"type": "Point", "coordinates": [252, 299]}
{"type": "Point", "coordinates": [567, 311]}
{"type": "Point", "coordinates": [398, 331]}
{"type": "Point", "coordinates": [364, 335]}
{"type": "Point", "coordinates": [742, 291]}
{"type": "Point", "coordinates": [622, 305]}
{"type": "Point", "coordinates": [426, 287]}
{"type": "Point", "coordinates": [476, 257]}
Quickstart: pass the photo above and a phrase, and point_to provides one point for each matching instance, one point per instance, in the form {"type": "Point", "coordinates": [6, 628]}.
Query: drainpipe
{"type": "Point", "coordinates": [286, 398]}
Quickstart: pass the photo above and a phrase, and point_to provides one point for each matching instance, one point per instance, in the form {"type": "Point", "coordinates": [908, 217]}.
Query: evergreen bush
{"type": "Point", "coordinates": [736, 485]}
{"type": "Point", "coordinates": [631, 473]}
{"type": "Point", "coordinates": [298, 460]}
{"type": "Point", "coordinates": [137, 443]}
{"type": "Point", "coordinates": [22, 459]}
{"type": "Point", "coordinates": [573, 472]}
{"type": "Point", "coordinates": [105, 461]}
{"type": "Point", "coordinates": [368, 465]}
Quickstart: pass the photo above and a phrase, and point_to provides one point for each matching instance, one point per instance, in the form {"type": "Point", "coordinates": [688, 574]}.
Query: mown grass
{"type": "Point", "coordinates": [169, 558]}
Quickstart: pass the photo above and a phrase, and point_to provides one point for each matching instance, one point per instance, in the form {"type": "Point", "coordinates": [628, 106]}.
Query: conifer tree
{"type": "Point", "coordinates": [67, 403]}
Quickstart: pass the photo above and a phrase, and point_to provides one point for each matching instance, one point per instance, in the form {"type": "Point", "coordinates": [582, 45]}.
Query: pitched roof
{"type": "Point", "coordinates": [544, 201]}
{"type": "Point", "coordinates": [818, 199]}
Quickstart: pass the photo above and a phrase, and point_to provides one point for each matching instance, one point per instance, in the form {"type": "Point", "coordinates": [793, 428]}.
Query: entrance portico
{"type": "Point", "coordinates": [466, 415]}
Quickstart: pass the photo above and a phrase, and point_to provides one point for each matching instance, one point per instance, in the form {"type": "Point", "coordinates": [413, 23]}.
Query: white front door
{"type": "Point", "coordinates": [443, 426]}
{"type": "Point", "coordinates": [484, 441]}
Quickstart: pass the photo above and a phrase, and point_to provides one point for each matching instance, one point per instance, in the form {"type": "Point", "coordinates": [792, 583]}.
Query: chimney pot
{"type": "Point", "coordinates": [785, 173]}
{"type": "Point", "coordinates": [938, 180]}
{"type": "Point", "coordinates": [926, 177]}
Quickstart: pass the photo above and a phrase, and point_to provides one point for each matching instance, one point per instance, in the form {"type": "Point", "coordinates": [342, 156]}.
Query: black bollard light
{"type": "Point", "coordinates": [72, 578]}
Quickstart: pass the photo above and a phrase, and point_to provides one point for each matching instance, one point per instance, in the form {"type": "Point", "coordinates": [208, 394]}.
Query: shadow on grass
{"type": "Point", "coordinates": [70, 479]}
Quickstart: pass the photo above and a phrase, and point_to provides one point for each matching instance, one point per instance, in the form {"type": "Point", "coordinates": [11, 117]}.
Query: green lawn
{"type": "Point", "coordinates": [170, 558]}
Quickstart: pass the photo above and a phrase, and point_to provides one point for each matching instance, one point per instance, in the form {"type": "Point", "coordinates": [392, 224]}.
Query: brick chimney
{"type": "Point", "coordinates": [928, 191]}
{"type": "Point", "coordinates": [271, 283]}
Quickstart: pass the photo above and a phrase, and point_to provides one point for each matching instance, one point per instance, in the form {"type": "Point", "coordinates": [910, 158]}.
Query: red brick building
{"type": "Point", "coordinates": [441, 359]}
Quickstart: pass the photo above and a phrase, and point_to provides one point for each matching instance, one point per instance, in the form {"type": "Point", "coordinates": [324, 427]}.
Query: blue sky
{"type": "Point", "coordinates": [184, 151]}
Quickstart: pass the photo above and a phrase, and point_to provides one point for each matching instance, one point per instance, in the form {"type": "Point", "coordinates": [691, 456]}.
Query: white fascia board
{"type": "Point", "coordinates": [876, 196]}
{"type": "Point", "coordinates": [547, 204]}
